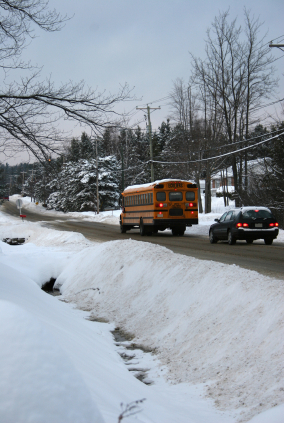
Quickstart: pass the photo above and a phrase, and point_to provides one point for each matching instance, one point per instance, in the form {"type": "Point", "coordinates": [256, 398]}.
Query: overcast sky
{"type": "Point", "coordinates": [144, 43]}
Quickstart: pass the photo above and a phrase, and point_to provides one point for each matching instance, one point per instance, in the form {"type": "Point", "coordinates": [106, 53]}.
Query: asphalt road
{"type": "Point", "coordinates": [265, 259]}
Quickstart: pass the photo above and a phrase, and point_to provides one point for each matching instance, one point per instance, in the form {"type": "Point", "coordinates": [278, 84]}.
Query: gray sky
{"type": "Point", "coordinates": [144, 43]}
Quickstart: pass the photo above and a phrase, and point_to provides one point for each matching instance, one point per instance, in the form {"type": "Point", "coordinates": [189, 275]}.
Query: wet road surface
{"type": "Point", "coordinates": [265, 259]}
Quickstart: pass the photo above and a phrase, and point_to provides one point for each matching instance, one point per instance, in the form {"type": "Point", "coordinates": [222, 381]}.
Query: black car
{"type": "Point", "coordinates": [246, 223]}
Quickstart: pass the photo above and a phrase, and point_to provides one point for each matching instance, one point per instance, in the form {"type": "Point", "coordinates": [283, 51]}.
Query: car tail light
{"type": "Point", "coordinates": [240, 225]}
{"type": "Point", "coordinates": [273, 224]}
{"type": "Point", "coordinates": [276, 224]}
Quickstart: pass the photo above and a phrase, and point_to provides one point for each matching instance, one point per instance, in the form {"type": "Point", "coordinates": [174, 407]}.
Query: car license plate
{"type": "Point", "coordinates": [258, 225]}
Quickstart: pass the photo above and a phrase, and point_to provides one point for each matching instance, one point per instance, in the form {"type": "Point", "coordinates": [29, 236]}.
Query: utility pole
{"type": "Point", "coordinates": [122, 168]}
{"type": "Point", "coordinates": [23, 182]}
{"type": "Point", "coordinates": [10, 186]}
{"type": "Point", "coordinates": [150, 135]}
{"type": "Point", "coordinates": [97, 178]}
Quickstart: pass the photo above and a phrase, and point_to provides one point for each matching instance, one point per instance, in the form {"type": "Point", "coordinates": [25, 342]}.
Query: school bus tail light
{"type": "Point", "coordinates": [188, 205]}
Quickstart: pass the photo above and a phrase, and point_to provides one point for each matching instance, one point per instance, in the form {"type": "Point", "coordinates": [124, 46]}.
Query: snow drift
{"type": "Point", "coordinates": [210, 323]}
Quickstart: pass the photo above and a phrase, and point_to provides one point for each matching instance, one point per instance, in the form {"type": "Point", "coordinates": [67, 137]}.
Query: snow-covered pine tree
{"type": "Point", "coordinates": [139, 154]}
{"type": "Point", "coordinates": [109, 177]}
{"type": "Point", "coordinates": [75, 187]}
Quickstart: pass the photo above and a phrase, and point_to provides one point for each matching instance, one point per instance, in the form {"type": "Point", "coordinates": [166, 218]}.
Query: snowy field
{"type": "Point", "coordinates": [215, 331]}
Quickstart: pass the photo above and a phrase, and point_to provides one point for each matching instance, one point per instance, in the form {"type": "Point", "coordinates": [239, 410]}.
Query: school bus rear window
{"type": "Point", "coordinates": [175, 196]}
{"type": "Point", "coordinates": [161, 196]}
{"type": "Point", "coordinates": [190, 196]}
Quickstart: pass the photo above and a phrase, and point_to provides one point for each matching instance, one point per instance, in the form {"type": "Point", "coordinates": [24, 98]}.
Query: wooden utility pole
{"type": "Point", "coordinates": [122, 168]}
{"type": "Point", "coordinates": [150, 135]}
{"type": "Point", "coordinates": [97, 178]}
{"type": "Point", "coordinates": [23, 180]}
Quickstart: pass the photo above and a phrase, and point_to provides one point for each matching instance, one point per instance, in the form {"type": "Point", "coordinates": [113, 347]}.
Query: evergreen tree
{"type": "Point", "coordinates": [108, 182]}
{"type": "Point", "coordinates": [86, 147]}
{"type": "Point", "coordinates": [73, 151]}
{"type": "Point", "coordinates": [75, 188]}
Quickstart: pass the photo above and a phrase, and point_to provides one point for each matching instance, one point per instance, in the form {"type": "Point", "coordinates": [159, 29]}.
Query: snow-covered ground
{"type": "Point", "coordinates": [215, 331]}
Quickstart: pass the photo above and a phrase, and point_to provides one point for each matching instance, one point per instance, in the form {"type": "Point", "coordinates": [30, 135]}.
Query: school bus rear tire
{"type": "Point", "coordinates": [178, 231]}
{"type": "Point", "coordinates": [122, 228]}
{"type": "Point", "coordinates": [142, 228]}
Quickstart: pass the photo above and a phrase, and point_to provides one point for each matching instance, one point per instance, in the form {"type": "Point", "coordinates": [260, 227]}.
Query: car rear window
{"type": "Point", "coordinates": [257, 214]}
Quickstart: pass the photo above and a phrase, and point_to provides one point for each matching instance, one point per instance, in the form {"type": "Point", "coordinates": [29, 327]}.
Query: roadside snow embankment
{"type": "Point", "coordinates": [39, 382]}
{"type": "Point", "coordinates": [58, 367]}
{"type": "Point", "coordinates": [211, 323]}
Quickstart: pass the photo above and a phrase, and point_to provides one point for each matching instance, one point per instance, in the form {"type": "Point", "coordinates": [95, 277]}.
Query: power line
{"type": "Point", "coordinates": [222, 155]}
{"type": "Point", "coordinates": [266, 105]}
{"type": "Point", "coordinates": [242, 141]}
{"type": "Point", "coordinates": [131, 168]}
{"type": "Point", "coordinates": [200, 160]}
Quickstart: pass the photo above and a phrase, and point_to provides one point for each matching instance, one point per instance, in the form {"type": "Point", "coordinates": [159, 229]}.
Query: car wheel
{"type": "Point", "coordinates": [122, 228]}
{"type": "Point", "coordinates": [231, 238]}
{"type": "Point", "coordinates": [212, 238]}
{"type": "Point", "coordinates": [249, 241]}
{"type": "Point", "coordinates": [142, 228]}
{"type": "Point", "coordinates": [268, 241]}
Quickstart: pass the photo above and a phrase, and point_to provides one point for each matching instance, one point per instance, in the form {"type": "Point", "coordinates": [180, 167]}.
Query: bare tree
{"type": "Point", "coordinates": [31, 110]}
{"type": "Point", "coordinates": [259, 80]}
{"type": "Point", "coordinates": [237, 75]}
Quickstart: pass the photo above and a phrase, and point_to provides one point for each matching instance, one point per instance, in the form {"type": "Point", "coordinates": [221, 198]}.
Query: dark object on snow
{"type": "Point", "coordinates": [48, 286]}
{"type": "Point", "coordinates": [14, 241]}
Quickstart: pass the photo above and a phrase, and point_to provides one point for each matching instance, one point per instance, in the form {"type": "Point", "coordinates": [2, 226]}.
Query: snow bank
{"type": "Point", "coordinates": [38, 381]}
{"type": "Point", "coordinates": [211, 323]}
{"type": "Point", "coordinates": [43, 263]}
{"type": "Point", "coordinates": [216, 329]}
{"type": "Point", "coordinates": [39, 374]}
{"type": "Point", "coordinates": [57, 366]}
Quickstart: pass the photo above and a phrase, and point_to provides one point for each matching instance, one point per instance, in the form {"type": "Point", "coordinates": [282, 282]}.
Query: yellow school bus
{"type": "Point", "coordinates": [167, 204]}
